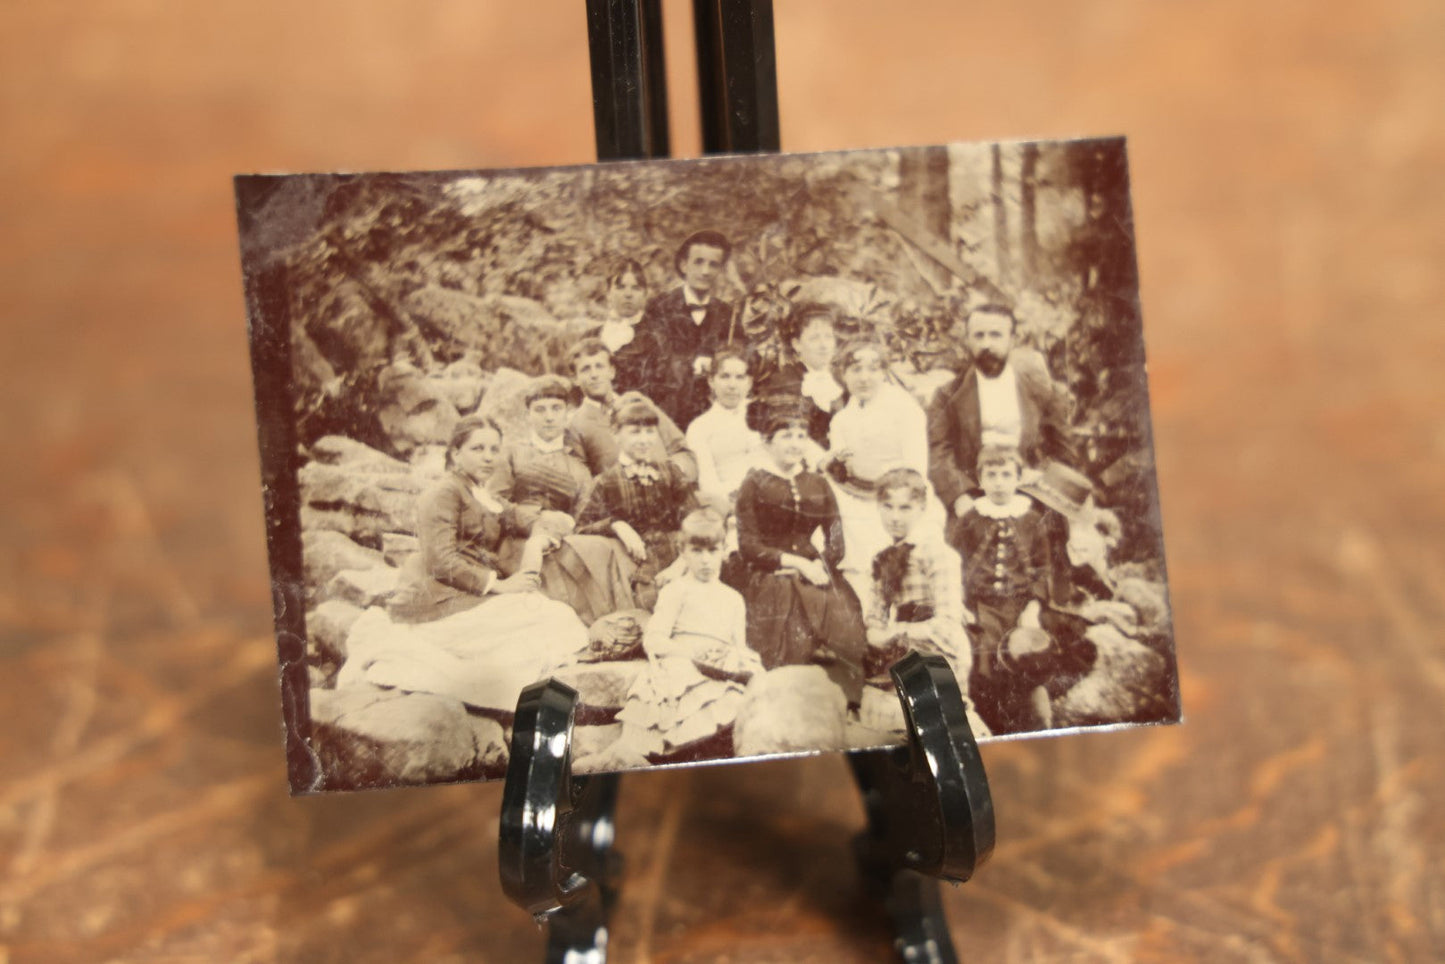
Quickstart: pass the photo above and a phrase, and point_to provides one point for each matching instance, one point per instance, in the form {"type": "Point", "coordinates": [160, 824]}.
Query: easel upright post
{"type": "Point", "coordinates": [737, 76]}
{"type": "Point", "coordinates": [930, 812]}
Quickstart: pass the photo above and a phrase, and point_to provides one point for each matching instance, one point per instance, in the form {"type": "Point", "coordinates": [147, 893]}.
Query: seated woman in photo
{"type": "Point", "coordinates": [467, 621]}
{"type": "Point", "coordinates": [800, 609]}
{"type": "Point", "coordinates": [810, 333]}
{"type": "Point", "coordinates": [542, 475]}
{"type": "Point", "coordinates": [725, 447]}
{"type": "Point", "coordinates": [544, 470]}
{"type": "Point", "coordinates": [881, 427]}
{"type": "Point", "coordinates": [640, 501]}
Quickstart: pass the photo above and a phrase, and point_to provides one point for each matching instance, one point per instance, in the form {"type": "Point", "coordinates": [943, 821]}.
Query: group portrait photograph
{"type": "Point", "coordinates": [716, 443]}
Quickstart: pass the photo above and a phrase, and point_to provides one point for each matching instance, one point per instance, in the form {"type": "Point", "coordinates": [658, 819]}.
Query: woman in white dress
{"type": "Point", "coordinates": [881, 427]}
{"type": "Point", "coordinates": [725, 446]}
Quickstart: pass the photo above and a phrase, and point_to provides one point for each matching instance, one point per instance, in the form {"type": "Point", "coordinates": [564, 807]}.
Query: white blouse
{"type": "Point", "coordinates": [890, 432]}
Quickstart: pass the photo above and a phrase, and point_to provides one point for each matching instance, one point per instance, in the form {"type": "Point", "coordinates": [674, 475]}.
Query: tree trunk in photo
{"type": "Point", "coordinates": [923, 197]}
{"type": "Point", "coordinates": [1028, 204]}
{"type": "Point", "coordinates": [1000, 222]}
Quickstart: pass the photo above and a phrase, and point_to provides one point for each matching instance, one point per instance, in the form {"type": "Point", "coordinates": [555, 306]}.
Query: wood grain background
{"type": "Point", "coordinates": [1287, 162]}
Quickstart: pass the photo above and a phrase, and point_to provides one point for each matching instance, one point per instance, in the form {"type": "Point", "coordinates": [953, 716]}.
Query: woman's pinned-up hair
{"type": "Point", "coordinates": [803, 314]}
{"type": "Point", "coordinates": [633, 408]}
{"type": "Point", "coordinates": [851, 351]}
{"type": "Point", "coordinates": [623, 268]}
{"type": "Point", "coordinates": [550, 386]}
{"type": "Point", "coordinates": [465, 429]}
{"type": "Point", "coordinates": [782, 411]}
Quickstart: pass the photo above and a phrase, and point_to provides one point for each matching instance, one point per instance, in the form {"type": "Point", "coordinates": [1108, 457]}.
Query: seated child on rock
{"type": "Point", "coordinates": [682, 705]}
{"type": "Point", "coordinates": [640, 502]}
{"type": "Point", "coordinates": [917, 598]}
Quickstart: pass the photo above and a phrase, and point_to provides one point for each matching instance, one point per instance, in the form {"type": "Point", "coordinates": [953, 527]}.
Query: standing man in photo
{"type": "Point", "coordinates": [994, 402]}
{"type": "Point", "coordinates": [683, 327]}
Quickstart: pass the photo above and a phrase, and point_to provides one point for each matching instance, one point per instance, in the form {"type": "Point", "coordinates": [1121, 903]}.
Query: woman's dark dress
{"type": "Point", "coordinates": [790, 620]}
{"type": "Point", "coordinates": [654, 509]}
{"type": "Point", "coordinates": [589, 573]}
{"type": "Point", "coordinates": [458, 554]}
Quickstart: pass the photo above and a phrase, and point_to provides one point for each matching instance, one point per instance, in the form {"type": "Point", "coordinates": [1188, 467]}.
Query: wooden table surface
{"type": "Point", "coordinates": [1287, 161]}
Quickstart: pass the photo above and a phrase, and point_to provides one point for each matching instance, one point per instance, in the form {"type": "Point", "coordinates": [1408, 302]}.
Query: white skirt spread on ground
{"type": "Point", "coordinates": [482, 656]}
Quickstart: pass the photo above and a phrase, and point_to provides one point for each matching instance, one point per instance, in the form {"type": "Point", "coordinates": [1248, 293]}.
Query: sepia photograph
{"type": "Point", "coordinates": [713, 442]}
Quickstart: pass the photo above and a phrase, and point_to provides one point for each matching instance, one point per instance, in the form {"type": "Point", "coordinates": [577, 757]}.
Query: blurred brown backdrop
{"type": "Point", "coordinates": [1291, 225]}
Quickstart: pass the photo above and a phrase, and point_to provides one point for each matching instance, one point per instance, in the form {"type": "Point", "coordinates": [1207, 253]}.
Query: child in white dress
{"type": "Point", "coordinates": [682, 705]}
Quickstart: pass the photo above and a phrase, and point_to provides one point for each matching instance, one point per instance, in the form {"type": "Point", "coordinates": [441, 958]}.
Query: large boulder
{"type": "Point", "coordinates": [493, 748]}
{"type": "Point", "coordinates": [325, 552]}
{"type": "Point", "coordinates": [411, 410]}
{"type": "Point", "coordinates": [1125, 683]}
{"type": "Point", "coordinates": [1149, 599]}
{"type": "Point", "coordinates": [360, 503]}
{"type": "Point", "coordinates": [355, 456]}
{"type": "Point", "coordinates": [602, 685]}
{"type": "Point", "coordinates": [367, 737]}
{"type": "Point", "coordinates": [327, 627]}
{"type": "Point", "coordinates": [590, 740]}
{"type": "Point", "coordinates": [880, 719]}
{"type": "Point", "coordinates": [502, 400]}
{"type": "Point", "coordinates": [363, 587]}
{"type": "Point", "coordinates": [791, 709]}
{"type": "Point", "coordinates": [463, 318]}
{"type": "Point", "coordinates": [461, 383]}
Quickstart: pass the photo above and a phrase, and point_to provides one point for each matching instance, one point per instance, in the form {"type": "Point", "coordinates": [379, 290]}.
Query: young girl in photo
{"type": "Point", "coordinates": [917, 599]}
{"type": "Point", "coordinates": [640, 502]}
{"type": "Point", "coordinates": [682, 705]}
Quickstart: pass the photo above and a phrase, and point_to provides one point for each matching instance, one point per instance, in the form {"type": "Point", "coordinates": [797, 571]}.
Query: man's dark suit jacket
{"type": "Point", "coordinates": [954, 426]}
{"type": "Point", "coordinates": [673, 341]}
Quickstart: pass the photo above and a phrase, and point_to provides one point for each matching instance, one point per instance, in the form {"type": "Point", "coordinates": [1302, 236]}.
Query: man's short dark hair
{"type": "Point", "coordinates": [910, 480]}
{"type": "Point", "coordinates": [713, 239]}
{"type": "Point", "coordinates": [995, 308]}
{"type": "Point", "coordinates": [586, 348]}
{"type": "Point", "coordinates": [704, 529]}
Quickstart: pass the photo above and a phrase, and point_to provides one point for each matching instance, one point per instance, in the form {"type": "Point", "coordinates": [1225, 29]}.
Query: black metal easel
{"type": "Point", "coordinates": [930, 815]}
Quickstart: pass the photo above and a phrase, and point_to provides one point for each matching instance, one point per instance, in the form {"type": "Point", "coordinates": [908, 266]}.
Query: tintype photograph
{"type": "Point", "coordinates": [714, 442]}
